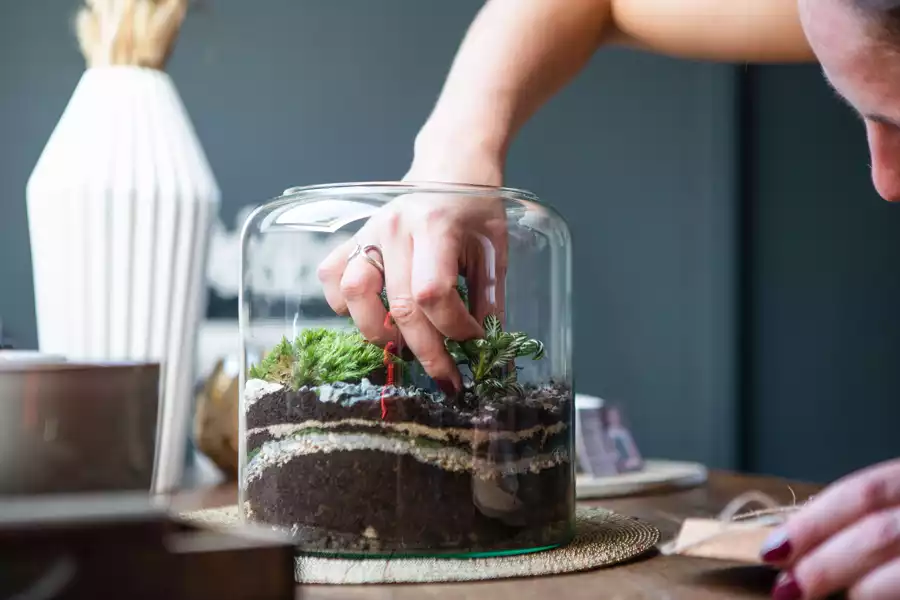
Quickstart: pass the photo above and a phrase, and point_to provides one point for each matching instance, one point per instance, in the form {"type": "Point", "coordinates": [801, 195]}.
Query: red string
{"type": "Point", "coordinates": [389, 365]}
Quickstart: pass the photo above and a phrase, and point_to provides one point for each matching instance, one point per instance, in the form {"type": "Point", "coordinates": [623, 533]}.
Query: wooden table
{"type": "Point", "coordinates": [654, 577]}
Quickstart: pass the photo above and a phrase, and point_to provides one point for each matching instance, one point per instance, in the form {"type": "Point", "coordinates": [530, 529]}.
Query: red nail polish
{"type": "Point", "coordinates": [776, 549]}
{"type": "Point", "coordinates": [446, 386]}
{"type": "Point", "coordinates": [786, 588]}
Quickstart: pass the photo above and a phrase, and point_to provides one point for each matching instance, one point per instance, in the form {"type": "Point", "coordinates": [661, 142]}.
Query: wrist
{"type": "Point", "coordinates": [459, 153]}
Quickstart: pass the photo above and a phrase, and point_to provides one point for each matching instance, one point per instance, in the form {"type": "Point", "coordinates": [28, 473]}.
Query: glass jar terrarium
{"type": "Point", "coordinates": [351, 441]}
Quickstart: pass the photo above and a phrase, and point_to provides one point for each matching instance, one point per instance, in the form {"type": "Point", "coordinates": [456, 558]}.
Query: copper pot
{"type": "Point", "coordinates": [76, 427]}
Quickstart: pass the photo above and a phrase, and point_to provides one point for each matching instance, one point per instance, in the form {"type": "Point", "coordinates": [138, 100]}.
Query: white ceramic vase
{"type": "Point", "coordinates": [120, 206]}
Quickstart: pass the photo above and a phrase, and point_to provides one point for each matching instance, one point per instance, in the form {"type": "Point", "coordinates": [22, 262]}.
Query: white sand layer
{"type": "Point", "coordinates": [273, 454]}
{"type": "Point", "coordinates": [416, 430]}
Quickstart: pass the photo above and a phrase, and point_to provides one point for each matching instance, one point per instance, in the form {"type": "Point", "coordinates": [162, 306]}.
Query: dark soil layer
{"type": "Point", "coordinates": [543, 405]}
{"type": "Point", "coordinates": [375, 502]}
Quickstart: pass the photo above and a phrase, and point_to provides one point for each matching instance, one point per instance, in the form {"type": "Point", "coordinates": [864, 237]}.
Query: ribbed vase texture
{"type": "Point", "coordinates": [119, 207]}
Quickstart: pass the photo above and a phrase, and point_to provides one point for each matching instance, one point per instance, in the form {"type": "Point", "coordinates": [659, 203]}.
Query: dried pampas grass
{"type": "Point", "coordinates": [129, 32]}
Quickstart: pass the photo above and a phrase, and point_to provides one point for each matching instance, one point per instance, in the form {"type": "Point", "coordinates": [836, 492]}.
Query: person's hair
{"type": "Point", "coordinates": [884, 15]}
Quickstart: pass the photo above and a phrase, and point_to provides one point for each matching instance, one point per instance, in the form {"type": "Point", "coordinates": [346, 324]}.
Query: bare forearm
{"type": "Point", "coordinates": [754, 31]}
{"type": "Point", "coordinates": [519, 53]}
{"type": "Point", "coordinates": [515, 56]}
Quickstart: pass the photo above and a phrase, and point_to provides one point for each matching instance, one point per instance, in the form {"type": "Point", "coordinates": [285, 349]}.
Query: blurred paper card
{"type": "Point", "coordinates": [628, 457]}
{"type": "Point", "coordinates": [604, 444]}
{"type": "Point", "coordinates": [722, 540]}
{"type": "Point", "coordinates": [595, 451]}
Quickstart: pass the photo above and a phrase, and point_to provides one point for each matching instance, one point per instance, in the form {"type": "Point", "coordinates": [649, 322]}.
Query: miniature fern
{"type": "Point", "coordinates": [489, 357]}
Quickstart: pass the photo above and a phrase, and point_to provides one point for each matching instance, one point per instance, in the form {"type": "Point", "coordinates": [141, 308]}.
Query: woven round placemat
{"type": "Point", "coordinates": [602, 538]}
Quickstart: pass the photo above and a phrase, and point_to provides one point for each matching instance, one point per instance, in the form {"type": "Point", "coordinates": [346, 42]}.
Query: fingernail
{"type": "Point", "coordinates": [786, 588]}
{"type": "Point", "coordinates": [776, 548]}
{"type": "Point", "coordinates": [446, 386]}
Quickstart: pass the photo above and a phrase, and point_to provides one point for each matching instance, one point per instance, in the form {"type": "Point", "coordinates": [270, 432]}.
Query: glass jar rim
{"type": "Point", "coordinates": [412, 187]}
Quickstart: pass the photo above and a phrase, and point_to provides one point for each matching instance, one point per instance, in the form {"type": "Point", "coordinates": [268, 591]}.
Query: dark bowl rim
{"type": "Point", "coordinates": [27, 366]}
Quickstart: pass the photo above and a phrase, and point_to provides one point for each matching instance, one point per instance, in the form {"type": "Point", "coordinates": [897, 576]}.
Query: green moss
{"type": "Point", "coordinates": [319, 356]}
{"type": "Point", "coordinates": [329, 356]}
{"type": "Point", "coordinates": [277, 363]}
{"type": "Point", "coordinates": [322, 356]}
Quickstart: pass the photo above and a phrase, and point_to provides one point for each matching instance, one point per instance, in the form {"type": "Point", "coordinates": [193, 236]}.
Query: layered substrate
{"type": "Point", "coordinates": [433, 474]}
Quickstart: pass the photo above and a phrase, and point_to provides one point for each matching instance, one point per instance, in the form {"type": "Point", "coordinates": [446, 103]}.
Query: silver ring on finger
{"type": "Point", "coordinates": [377, 263]}
{"type": "Point", "coordinates": [363, 251]}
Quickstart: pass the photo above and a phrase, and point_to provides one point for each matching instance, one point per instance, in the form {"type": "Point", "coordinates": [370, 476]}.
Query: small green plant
{"type": "Point", "coordinates": [488, 358]}
{"type": "Point", "coordinates": [320, 356]}
{"type": "Point", "coordinates": [276, 365]}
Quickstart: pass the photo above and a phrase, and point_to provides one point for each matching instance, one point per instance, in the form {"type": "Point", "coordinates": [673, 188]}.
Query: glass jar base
{"type": "Point", "coordinates": [326, 543]}
{"type": "Point", "coordinates": [425, 554]}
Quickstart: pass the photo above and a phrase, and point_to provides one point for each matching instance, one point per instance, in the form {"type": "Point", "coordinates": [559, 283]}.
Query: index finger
{"type": "Point", "coordinates": [330, 273]}
{"type": "Point", "coordinates": [435, 272]}
{"type": "Point", "coordinates": [841, 504]}
{"type": "Point", "coordinates": [418, 333]}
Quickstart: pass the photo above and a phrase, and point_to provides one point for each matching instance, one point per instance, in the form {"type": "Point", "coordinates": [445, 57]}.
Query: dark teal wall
{"type": "Point", "coordinates": [823, 265]}
{"type": "Point", "coordinates": [643, 155]}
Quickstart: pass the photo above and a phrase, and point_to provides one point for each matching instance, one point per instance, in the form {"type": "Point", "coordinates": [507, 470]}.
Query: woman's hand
{"type": "Point", "coordinates": [426, 241]}
{"type": "Point", "coordinates": [845, 539]}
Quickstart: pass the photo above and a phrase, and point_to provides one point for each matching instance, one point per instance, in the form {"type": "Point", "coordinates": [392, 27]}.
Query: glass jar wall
{"type": "Point", "coordinates": [407, 370]}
